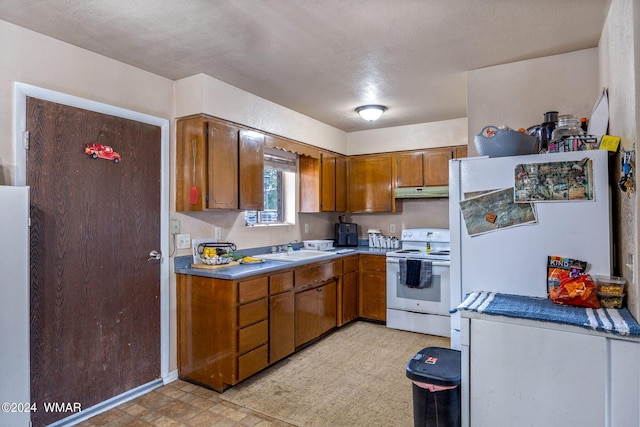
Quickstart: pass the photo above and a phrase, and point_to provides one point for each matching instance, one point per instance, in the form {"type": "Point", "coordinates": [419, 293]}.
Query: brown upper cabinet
{"type": "Point", "coordinates": [309, 169]}
{"type": "Point", "coordinates": [224, 163]}
{"type": "Point", "coordinates": [370, 183]}
{"type": "Point", "coordinates": [461, 151]}
{"type": "Point", "coordinates": [251, 177]}
{"type": "Point", "coordinates": [323, 183]}
{"type": "Point", "coordinates": [333, 184]}
{"type": "Point", "coordinates": [208, 154]}
{"type": "Point", "coordinates": [426, 167]}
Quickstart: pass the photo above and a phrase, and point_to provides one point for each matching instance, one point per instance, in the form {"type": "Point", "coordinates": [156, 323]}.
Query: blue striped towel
{"type": "Point", "coordinates": [615, 321]}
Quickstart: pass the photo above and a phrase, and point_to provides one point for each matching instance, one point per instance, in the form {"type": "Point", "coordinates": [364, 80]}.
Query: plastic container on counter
{"type": "Point", "coordinates": [610, 285]}
{"type": "Point", "coordinates": [318, 245]}
{"type": "Point", "coordinates": [610, 300]}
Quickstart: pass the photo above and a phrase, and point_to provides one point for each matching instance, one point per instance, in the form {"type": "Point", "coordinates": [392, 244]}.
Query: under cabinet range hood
{"type": "Point", "coordinates": [422, 192]}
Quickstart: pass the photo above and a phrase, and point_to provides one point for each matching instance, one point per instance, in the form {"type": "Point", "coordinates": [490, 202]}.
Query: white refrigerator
{"type": "Point", "coordinates": [14, 306]}
{"type": "Point", "coordinates": [513, 259]}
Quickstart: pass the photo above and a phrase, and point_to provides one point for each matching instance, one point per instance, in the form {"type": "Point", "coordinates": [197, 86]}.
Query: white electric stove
{"type": "Point", "coordinates": [424, 310]}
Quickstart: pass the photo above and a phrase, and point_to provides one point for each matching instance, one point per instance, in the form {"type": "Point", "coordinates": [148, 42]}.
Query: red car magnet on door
{"type": "Point", "coordinates": [102, 151]}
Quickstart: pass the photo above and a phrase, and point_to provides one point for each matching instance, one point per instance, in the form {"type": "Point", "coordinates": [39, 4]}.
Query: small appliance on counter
{"type": "Point", "coordinates": [346, 234]}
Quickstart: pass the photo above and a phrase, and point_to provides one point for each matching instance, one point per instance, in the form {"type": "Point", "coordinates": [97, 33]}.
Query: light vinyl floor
{"type": "Point", "coordinates": [180, 403]}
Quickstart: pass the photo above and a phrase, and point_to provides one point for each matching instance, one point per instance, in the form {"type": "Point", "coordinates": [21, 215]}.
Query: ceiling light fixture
{"type": "Point", "coordinates": [371, 112]}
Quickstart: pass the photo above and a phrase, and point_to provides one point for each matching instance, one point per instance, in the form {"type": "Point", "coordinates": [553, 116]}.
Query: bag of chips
{"type": "Point", "coordinates": [556, 265]}
{"type": "Point", "coordinates": [579, 291]}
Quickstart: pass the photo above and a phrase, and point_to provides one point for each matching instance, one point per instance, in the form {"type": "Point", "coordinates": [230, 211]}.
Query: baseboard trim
{"type": "Point", "coordinates": [101, 407]}
{"type": "Point", "coordinates": [171, 377]}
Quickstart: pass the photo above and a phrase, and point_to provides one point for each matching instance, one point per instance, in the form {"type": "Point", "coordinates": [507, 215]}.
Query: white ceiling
{"type": "Point", "coordinates": [324, 58]}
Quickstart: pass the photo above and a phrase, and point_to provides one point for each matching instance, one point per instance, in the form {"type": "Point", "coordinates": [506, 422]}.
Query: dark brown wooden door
{"type": "Point", "coordinates": [95, 313]}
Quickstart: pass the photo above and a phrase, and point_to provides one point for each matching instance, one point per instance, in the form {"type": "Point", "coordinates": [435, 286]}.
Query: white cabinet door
{"type": "Point", "coordinates": [625, 383]}
{"type": "Point", "coordinates": [526, 376]}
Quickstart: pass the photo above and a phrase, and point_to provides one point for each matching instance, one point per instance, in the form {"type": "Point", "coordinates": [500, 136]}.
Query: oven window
{"type": "Point", "coordinates": [430, 293]}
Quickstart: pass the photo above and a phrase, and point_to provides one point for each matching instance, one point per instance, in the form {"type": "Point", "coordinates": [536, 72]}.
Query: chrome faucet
{"type": "Point", "coordinates": [288, 247]}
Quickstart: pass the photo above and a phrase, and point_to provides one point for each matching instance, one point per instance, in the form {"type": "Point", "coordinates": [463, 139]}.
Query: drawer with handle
{"type": "Point", "coordinates": [316, 274]}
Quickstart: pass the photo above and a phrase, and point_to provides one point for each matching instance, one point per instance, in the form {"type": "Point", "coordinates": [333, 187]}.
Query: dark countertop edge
{"type": "Point", "coordinates": [182, 264]}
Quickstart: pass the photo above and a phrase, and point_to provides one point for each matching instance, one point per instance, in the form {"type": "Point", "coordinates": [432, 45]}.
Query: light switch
{"type": "Point", "coordinates": [175, 226]}
{"type": "Point", "coordinates": [184, 241]}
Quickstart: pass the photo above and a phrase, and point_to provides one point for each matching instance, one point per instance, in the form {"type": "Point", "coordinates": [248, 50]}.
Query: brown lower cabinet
{"type": "Point", "coordinates": [223, 329]}
{"type": "Point", "coordinates": [373, 287]}
{"type": "Point", "coordinates": [316, 299]}
{"type": "Point", "coordinates": [348, 291]}
{"type": "Point", "coordinates": [229, 330]}
{"type": "Point", "coordinates": [315, 312]}
{"type": "Point", "coordinates": [281, 316]}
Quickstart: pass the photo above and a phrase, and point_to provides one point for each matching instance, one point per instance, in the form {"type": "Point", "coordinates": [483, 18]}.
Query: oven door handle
{"type": "Point", "coordinates": [396, 260]}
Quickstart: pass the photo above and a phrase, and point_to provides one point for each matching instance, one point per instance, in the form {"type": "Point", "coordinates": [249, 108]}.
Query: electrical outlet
{"type": "Point", "coordinates": [175, 226]}
{"type": "Point", "coordinates": [217, 233]}
{"type": "Point", "coordinates": [392, 228]}
{"type": "Point", "coordinates": [306, 228]}
{"type": "Point", "coordinates": [184, 241]}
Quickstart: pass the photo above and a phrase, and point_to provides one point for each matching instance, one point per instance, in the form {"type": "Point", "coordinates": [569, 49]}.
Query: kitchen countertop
{"type": "Point", "coordinates": [182, 264]}
{"type": "Point", "coordinates": [490, 304]}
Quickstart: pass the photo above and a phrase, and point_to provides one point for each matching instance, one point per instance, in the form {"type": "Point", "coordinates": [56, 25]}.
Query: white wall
{"type": "Point", "coordinates": [620, 73]}
{"type": "Point", "coordinates": [410, 137]}
{"type": "Point", "coordinates": [518, 94]}
{"type": "Point", "coordinates": [203, 94]}
{"type": "Point", "coordinates": [31, 58]}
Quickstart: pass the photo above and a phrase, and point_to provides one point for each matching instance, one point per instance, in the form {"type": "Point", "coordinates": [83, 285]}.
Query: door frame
{"type": "Point", "coordinates": [21, 92]}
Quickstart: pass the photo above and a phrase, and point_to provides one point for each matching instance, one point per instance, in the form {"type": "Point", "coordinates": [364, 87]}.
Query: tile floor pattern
{"type": "Point", "coordinates": [180, 403]}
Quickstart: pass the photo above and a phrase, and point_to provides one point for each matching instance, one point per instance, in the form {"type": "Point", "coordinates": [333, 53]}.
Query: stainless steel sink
{"type": "Point", "coordinates": [303, 254]}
